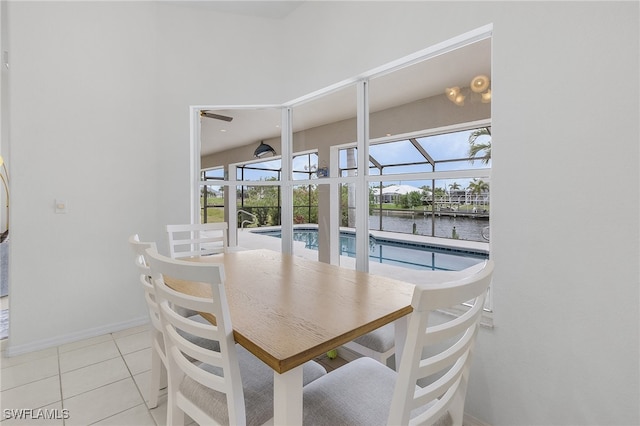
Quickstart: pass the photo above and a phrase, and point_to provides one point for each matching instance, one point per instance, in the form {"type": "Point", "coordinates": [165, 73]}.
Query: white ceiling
{"type": "Point", "coordinates": [419, 81]}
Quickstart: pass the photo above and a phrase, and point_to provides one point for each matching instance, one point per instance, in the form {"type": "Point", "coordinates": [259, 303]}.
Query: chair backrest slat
{"type": "Point", "coordinates": [192, 240]}
{"type": "Point", "coordinates": [184, 357]}
{"type": "Point", "coordinates": [140, 249]}
{"type": "Point", "coordinates": [435, 364]}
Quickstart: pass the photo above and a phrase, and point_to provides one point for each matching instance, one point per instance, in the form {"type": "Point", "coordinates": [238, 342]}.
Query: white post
{"type": "Point", "coordinates": [362, 187]}
{"type": "Point", "coordinates": [286, 188]}
{"type": "Point", "coordinates": [231, 203]}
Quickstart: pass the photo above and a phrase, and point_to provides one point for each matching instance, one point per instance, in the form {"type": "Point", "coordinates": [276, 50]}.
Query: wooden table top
{"type": "Point", "coordinates": [287, 310]}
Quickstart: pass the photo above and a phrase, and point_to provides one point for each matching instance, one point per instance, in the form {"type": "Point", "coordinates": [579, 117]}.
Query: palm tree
{"type": "Point", "coordinates": [454, 186]}
{"type": "Point", "coordinates": [476, 147]}
{"type": "Point", "coordinates": [478, 186]}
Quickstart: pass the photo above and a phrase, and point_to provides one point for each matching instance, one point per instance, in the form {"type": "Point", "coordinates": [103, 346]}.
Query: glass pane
{"type": "Point", "coordinates": [305, 204]}
{"type": "Point", "coordinates": [305, 166]}
{"type": "Point", "coordinates": [268, 170]}
{"type": "Point", "coordinates": [347, 241]}
{"type": "Point", "coordinates": [400, 207]}
{"type": "Point", "coordinates": [260, 206]}
{"type": "Point", "coordinates": [225, 129]}
{"type": "Point", "coordinates": [474, 145]}
{"type": "Point", "coordinates": [211, 203]}
{"type": "Point", "coordinates": [305, 221]}
{"type": "Point", "coordinates": [349, 161]}
{"type": "Point", "coordinates": [399, 152]}
{"type": "Point", "coordinates": [456, 210]}
{"type": "Point", "coordinates": [215, 174]}
{"type": "Point", "coordinates": [462, 209]}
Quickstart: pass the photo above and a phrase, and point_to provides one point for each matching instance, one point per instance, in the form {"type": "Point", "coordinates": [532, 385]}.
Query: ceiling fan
{"type": "Point", "coordinates": [210, 114]}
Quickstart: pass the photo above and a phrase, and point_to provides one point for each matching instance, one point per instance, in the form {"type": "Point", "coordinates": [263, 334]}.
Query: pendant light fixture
{"type": "Point", "coordinates": [263, 149]}
{"type": "Point", "coordinates": [479, 89]}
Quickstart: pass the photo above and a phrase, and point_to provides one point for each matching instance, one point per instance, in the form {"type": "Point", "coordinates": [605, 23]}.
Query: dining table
{"type": "Point", "coordinates": [288, 310]}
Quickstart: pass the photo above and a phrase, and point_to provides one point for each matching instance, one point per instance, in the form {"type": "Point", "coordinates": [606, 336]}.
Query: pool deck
{"type": "Point", "coordinates": [248, 240]}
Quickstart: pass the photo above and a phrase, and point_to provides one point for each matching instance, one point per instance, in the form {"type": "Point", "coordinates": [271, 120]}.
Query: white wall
{"type": "Point", "coordinates": [99, 103]}
{"type": "Point", "coordinates": [98, 106]}
{"type": "Point", "coordinates": [565, 133]}
{"type": "Point", "coordinates": [4, 106]}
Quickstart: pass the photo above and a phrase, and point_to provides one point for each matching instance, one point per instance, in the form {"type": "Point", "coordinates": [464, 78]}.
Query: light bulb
{"type": "Point", "coordinates": [486, 97]}
{"type": "Point", "coordinates": [479, 83]}
{"type": "Point", "coordinates": [452, 93]}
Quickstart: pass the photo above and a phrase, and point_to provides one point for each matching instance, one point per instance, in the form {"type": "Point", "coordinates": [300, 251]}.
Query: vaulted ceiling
{"type": "Point", "coordinates": [422, 80]}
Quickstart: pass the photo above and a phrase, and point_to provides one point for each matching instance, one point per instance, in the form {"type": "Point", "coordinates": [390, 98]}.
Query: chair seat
{"type": "Point", "coordinates": [358, 393]}
{"type": "Point", "coordinates": [200, 341]}
{"type": "Point", "coordinates": [380, 340]}
{"type": "Point", "coordinates": [257, 384]}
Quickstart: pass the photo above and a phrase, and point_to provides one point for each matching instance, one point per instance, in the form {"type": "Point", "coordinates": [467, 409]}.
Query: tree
{"type": "Point", "coordinates": [479, 145]}
{"type": "Point", "coordinates": [427, 194]}
{"type": "Point", "coordinates": [454, 186]}
{"type": "Point", "coordinates": [477, 187]}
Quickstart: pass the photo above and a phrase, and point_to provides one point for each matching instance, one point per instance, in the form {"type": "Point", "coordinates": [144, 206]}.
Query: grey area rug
{"type": "Point", "coordinates": [4, 324]}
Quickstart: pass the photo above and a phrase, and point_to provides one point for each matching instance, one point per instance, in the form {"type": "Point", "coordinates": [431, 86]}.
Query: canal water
{"type": "Point", "coordinates": [466, 228]}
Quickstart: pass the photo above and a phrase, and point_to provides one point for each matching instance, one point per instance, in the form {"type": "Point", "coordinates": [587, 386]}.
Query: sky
{"type": "Point", "coordinates": [439, 147]}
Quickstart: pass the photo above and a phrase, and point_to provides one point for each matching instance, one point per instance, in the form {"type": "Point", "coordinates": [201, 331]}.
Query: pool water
{"type": "Point", "coordinates": [394, 252]}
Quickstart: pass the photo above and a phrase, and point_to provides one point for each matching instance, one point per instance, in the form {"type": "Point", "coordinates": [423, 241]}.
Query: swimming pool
{"type": "Point", "coordinates": [407, 254]}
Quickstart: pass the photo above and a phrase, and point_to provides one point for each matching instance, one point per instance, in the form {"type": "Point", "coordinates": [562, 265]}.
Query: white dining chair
{"type": "Point", "coordinates": [431, 383]}
{"type": "Point", "coordinates": [195, 240]}
{"type": "Point", "coordinates": [378, 344]}
{"type": "Point", "coordinates": [158, 359]}
{"type": "Point", "coordinates": [225, 386]}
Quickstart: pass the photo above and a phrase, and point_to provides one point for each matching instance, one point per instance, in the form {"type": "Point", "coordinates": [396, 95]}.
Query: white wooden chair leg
{"type": "Point", "coordinates": [175, 415]}
{"type": "Point", "coordinates": [157, 371]}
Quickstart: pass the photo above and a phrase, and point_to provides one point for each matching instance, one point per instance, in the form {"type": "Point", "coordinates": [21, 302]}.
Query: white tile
{"type": "Point", "coordinates": [138, 361]}
{"type": "Point", "coordinates": [82, 357]}
{"type": "Point", "coordinates": [101, 403]}
{"type": "Point", "coordinates": [32, 395]}
{"type": "Point", "coordinates": [142, 381]}
{"type": "Point", "coordinates": [138, 416]}
{"type": "Point", "coordinates": [28, 372]}
{"type": "Point", "coordinates": [132, 330]}
{"type": "Point", "coordinates": [134, 342]}
{"type": "Point", "coordinates": [19, 359]}
{"type": "Point", "coordinates": [93, 376]}
{"type": "Point", "coordinates": [84, 343]}
{"type": "Point", "coordinates": [160, 413]}
{"type": "Point", "coordinates": [51, 415]}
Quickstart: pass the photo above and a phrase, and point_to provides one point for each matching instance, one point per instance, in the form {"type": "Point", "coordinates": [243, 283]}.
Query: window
{"type": "Point", "coordinates": [426, 172]}
{"type": "Point", "coordinates": [424, 203]}
{"type": "Point", "coordinates": [212, 195]}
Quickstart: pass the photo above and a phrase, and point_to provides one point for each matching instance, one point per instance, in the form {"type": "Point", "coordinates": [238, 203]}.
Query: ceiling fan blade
{"type": "Point", "coordinates": [216, 116]}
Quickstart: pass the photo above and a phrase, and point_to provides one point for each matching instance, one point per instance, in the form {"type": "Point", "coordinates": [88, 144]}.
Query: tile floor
{"type": "Point", "coordinates": [100, 381]}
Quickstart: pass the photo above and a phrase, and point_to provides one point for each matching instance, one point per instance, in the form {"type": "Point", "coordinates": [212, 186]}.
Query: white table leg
{"type": "Point", "coordinates": [400, 325]}
{"type": "Point", "coordinates": [287, 397]}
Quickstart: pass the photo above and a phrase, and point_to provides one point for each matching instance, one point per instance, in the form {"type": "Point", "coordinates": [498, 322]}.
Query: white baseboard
{"type": "Point", "coordinates": [472, 421]}
{"type": "Point", "coordinates": [12, 350]}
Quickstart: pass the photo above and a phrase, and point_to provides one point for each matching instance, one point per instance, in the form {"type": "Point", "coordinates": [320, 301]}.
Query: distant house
{"type": "Point", "coordinates": [392, 193]}
{"type": "Point", "coordinates": [463, 196]}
